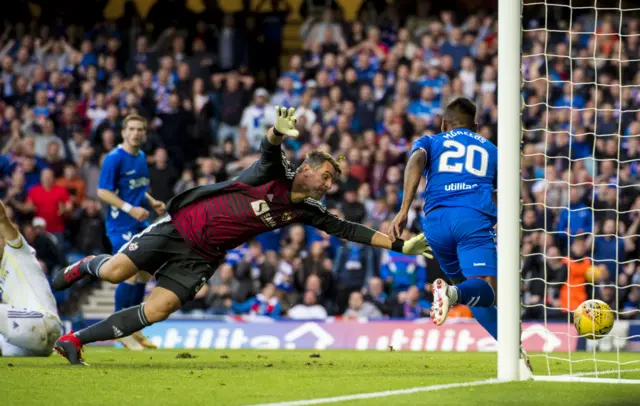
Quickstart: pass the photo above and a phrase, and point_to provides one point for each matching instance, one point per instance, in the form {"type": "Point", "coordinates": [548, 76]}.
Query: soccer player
{"type": "Point", "coordinates": [184, 248]}
{"type": "Point", "coordinates": [460, 215]}
{"type": "Point", "coordinates": [29, 322]}
{"type": "Point", "coordinates": [123, 186]}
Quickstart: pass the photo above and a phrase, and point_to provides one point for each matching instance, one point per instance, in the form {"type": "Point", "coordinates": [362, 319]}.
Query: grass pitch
{"type": "Point", "coordinates": [118, 377]}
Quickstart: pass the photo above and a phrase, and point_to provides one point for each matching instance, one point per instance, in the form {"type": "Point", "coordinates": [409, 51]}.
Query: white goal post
{"type": "Point", "coordinates": [585, 21]}
{"type": "Point", "coordinates": [509, 130]}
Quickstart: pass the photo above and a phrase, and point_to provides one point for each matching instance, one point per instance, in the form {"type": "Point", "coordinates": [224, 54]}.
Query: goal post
{"type": "Point", "coordinates": [568, 185]}
{"type": "Point", "coordinates": [509, 136]}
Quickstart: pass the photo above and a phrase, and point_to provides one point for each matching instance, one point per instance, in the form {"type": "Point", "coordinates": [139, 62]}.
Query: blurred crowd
{"type": "Point", "coordinates": [581, 161]}
{"type": "Point", "coordinates": [364, 90]}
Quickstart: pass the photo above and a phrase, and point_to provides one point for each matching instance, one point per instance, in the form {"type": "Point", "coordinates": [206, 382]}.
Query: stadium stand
{"type": "Point", "coordinates": [364, 88]}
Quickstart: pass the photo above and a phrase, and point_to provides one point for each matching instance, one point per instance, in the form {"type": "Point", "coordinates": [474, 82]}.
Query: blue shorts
{"type": "Point", "coordinates": [463, 242]}
{"type": "Point", "coordinates": [120, 238]}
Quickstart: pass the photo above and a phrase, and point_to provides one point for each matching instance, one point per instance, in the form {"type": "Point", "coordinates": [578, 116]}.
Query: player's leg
{"type": "Point", "coordinates": [123, 265]}
{"type": "Point", "coordinates": [114, 269]}
{"type": "Point", "coordinates": [140, 288]}
{"type": "Point", "coordinates": [471, 235]}
{"type": "Point", "coordinates": [168, 296]}
{"type": "Point", "coordinates": [180, 277]}
{"type": "Point", "coordinates": [443, 244]}
{"type": "Point", "coordinates": [160, 304]}
{"type": "Point", "coordinates": [125, 291]}
{"type": "Point", "coordinates": [27, 332]}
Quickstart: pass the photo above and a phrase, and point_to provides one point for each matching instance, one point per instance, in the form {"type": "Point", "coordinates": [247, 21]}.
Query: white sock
{"type": "Point", "coordinates": [452, 292]}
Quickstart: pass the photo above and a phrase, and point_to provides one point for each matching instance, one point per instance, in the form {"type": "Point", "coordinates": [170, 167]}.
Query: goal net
{"type": "Point", "coordinates": [580, 183]}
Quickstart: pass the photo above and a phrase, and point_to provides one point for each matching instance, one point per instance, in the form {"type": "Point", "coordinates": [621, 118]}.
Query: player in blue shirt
{"type": "Point", "coordinates": [461, 169]}
{"type": "Point", "coordinates": [123, 186]}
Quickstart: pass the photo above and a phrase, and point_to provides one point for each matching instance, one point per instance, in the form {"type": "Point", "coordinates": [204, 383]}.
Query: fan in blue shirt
{"type": "Point", "coordinates": [123, 186]}
{"type": "Point", "coordinates": [460, 215]}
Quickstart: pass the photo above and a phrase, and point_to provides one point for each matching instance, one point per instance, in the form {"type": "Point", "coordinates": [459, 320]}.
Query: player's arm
{"type": "Point", "coordinates": [320, 218]}
{"type": "Point", "coordinates": [9, 230]}
{"type": "Point", "coordinates": [412, 174]}
{"type": "Point", "coordinates": [157, 205]}
{"type": "Point", "coordinates": [107, 186]}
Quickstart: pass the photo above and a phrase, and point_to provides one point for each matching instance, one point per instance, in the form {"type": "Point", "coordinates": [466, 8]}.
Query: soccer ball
{"type": "Point", "coordinates": [593, 319]}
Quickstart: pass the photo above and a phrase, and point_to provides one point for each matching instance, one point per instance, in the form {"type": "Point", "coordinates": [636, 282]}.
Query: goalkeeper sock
{"type": "Point", "coordinates": [487, 317]}
{"type": "Point", "coordinates": [475, 292]}
{"type": "Point", "coordinates": [120, 324]}
{"type": "Point", "coordinates": [125, 296]}
{"type": "Point", "coordinates": [93, 266]}
{"type": "Point", "coordinates": [138, 296]}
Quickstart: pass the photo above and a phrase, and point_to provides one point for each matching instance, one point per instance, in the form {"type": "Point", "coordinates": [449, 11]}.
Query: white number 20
{"type": "Point", "coordinates": [458, 151]}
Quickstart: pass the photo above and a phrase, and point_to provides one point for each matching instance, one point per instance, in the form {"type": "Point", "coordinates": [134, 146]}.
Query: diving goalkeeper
{"type": "Point", "coordinates": [184, 248]}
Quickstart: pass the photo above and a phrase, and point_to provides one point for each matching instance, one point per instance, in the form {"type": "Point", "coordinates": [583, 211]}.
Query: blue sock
{"type": "Point", "coordinates": [138, 297]}
{"type": "Point", "coordinates": [487, 317]}
{"type": "Point", "coordinates": [125, 292]}
{"type": "Point", "coordinates": [476, 292]}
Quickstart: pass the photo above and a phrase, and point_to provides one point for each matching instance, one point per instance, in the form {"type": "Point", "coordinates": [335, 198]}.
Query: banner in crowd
{"type": "Point", "coordinates": [419, 335]}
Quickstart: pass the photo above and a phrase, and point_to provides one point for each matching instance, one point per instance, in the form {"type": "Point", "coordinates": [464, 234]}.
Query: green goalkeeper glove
{"type": "Point", "coordinates": [286, 122]}
{"type": "Point", "coordinates": [417, 245]}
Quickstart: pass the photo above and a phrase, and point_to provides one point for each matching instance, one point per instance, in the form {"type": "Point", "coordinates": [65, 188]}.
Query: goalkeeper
{"type": "Point", "coordinates": [184, 248]}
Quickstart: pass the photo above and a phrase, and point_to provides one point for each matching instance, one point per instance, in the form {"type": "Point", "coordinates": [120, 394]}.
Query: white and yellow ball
{"type": "Point", "coordinates": [593, 319]}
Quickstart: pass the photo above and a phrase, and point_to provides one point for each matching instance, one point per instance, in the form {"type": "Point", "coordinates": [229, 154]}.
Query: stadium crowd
{"type": "Point", "coordinates": [364, 90]}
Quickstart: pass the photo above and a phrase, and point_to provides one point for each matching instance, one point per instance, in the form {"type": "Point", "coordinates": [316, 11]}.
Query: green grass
{"type": "Point", "coordinates": [119, 377]}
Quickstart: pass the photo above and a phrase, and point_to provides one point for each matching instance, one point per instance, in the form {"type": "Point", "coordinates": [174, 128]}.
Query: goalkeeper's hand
{"type": "Point", "coordinates": [417, 245]}
{"type": "Point", "coordinates": [286, 122]}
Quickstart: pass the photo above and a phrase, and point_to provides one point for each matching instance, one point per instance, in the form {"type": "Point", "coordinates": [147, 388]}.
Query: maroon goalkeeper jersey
{"type": "Point", "coordinates": [215, 218]}
{"type": "Point", "coordinates": [222, 222]}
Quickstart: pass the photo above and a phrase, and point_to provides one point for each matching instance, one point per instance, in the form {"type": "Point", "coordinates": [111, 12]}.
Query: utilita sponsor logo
{"type": "Point", "coordinates": [237, 337]}
{"type": "Point", "coordinates": [408, 336]}
{"type": "Point", "coordinates": [452, 187]}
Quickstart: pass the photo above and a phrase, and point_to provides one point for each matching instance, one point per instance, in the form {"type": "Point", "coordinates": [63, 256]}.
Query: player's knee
{"type": "Point", "coordinates": [160, 304]}
{"type": "Point", "coordinates": [155, 312]}
{"type": "Point", "coordinates": [118, 269]}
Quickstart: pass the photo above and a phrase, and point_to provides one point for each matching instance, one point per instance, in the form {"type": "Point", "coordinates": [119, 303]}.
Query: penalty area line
{"type": "Point", "coordinates": [382, 394]}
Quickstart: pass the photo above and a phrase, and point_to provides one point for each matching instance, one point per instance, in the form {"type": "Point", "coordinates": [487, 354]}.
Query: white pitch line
{"type": "Point", "coordinates": [608, 372]}
{"type": "Point", "coordinates": [382, 394]}
{"type": "Point", "coordinates": [587, 377]}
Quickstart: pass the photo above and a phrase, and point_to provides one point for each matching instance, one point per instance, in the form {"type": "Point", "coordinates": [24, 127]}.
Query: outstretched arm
{"type": "Point", "coordinates": [412, 174]}
{"type": "Point", "coordinates": [359, 233]}
{"type": "Point", "coordinates": [8, 230]}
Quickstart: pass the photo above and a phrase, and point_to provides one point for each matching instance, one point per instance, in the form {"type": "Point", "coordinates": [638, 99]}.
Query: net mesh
{"type": "Point", "coordinates": [581, 178]}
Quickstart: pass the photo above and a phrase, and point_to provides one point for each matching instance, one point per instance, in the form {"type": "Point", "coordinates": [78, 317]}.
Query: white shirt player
{"type": "Point", "coordinates": [22, 281]}
{"type": "Point", "coordinates": [256, 120]}
{"type": "Point", "coordinates": [29, 318]}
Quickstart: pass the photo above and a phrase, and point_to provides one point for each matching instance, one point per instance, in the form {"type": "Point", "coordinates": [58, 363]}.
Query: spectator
{"type": "Point", "coordinates": [50, 202]}
{"type": "Point", "coordinates": [400, 271]}
{"type": "Point", "coordinates": [359, 309]}
{"type": "Point", "coordinates": [162, 176]}
{"type": "Point", "coordinates": [263, 304]}
{"type": "Point", "coordinates": [410, 306]}
{"type": "Point", "coordinates": [376, 295]}
{"type": "Point", "coordinates": [74, 185]}
{"type": "Point", "coordinates": [309, 309]}
{"type": "Point", "coordinates": [47, 247]}
{"type": "Point", "coordinates": [88, 228]}
{"type": "Point", "coordinates": [256, 118]}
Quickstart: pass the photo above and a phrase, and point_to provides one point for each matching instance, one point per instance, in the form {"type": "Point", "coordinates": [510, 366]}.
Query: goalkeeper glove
{"type": "Point", "coordinates": [417, 245]}
{"type": "Point", "coordinates": [285, 122]}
